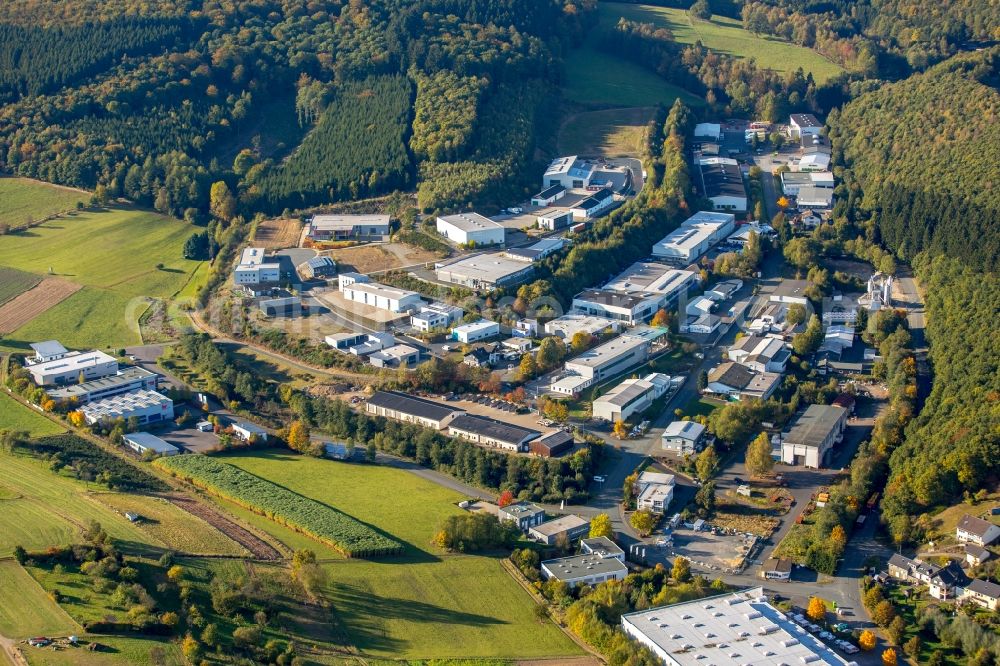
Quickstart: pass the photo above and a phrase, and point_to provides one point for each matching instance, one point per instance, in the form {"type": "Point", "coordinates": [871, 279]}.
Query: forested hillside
{"type": "Point", "coordinates": [157, 105]}
{"type": "Point", "coordinates": [923, 165]}
{"type": "Point", "coordinates": [888, 38]}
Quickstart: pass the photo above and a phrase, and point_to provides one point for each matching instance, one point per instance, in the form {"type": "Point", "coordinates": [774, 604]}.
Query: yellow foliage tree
{"type": "Point", "coordinates": [866, 641]}
{"type": "Point", "coordinates": [816, 610]}
{"type": "Point", "coordinates": [838, 537]}
{"type": "Point", "coordinates": [298, 436]}
{"type": "Point", "coordinates": [600, 526]}
{"type": "Point", "coordinates": [77, 419]}
{"type": "Point", "coordinates": [889, 657]}
{"type": "Point", "coordinates": [620, 431]}
{"type": "Point", "coordinates": [783, 202]}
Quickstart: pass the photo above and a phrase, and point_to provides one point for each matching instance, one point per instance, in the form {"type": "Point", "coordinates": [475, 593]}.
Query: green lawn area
{"type": "Point", "coordinates": [608, 132]}
{"type": "Point", "coordinates": [701, 406]}
{"type": "Point", "coordinates": [114, 255]}
{"type": "Point", "coordinates": [426, 604]}
{"type": "Point", "coordinates": [15, 416]}
{"type": "Point", "coordinates": [23, 198]}
{"type": "Point", "coordinates": [602, 79]}
{"type": "Point", "coordinates": [25, 609]}
{"type": "Point", "coordinates": [723, 35]}
{"type": "Point", "coordinates": [47, 509]}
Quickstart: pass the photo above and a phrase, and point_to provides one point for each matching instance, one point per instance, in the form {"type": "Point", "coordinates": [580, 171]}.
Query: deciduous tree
{"type": "Point", "coordinates": [600, 526]}
{"type": "Point", "coordinates": [867, 640]}
{"type": "Point", "coordinates": [643, 521]}
{"type": "Point", "coordinates": [707, 462]}
{"type": "Point", "coordinates": [816, 609]}
{"type": "Point", "coordinates": [681, 570]}
{"type": "Point", "coordinates": [758, 459]}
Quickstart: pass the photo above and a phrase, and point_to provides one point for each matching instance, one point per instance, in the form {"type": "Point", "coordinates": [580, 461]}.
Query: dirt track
{"type": "Point", "coordinates": [257, 546]}
{"type": "Point", "coordinates": [21, 309]}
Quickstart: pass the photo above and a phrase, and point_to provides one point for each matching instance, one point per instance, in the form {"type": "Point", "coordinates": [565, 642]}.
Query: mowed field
{"type": "Point", "coordinates": [25, 609]}
{"type": "Point", "coordinates": [15, 416]}
{"type": "Point", "coordinates": [425, 604]}
{"type": "Point", "coordinates": [23, 199]}
{"type": "Point", "coordinates": [597, 78]}
{"type": "Point", "coordinates": [114, 254]}
{"type": "Point", "coordinates": [609, 132]}
{"type": "Point", "coordinates": [13, 282]}
{"type": "Point", "coordinates": [175, 528]}
{"type": "Point", "coordinates": [723, 35]}
{"type": "Point", "coordinates": [47, 509]}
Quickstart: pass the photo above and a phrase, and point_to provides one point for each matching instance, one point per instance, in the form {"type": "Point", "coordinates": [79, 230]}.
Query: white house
{"type": "Point", "coordinates": [815, 162]}
{"type": "Point", "coordinates": [247, 431]}
{"type": "Point", "coordinates": [722, 183]}
{"type": "Point", "coordinates": [470, 228]}
{"type": "Point", "coordinates": [609, 359]}
{"type": "Point", "coordinates": [48, 350]}
{"type": "Point", "coordinates": [478, 330]}
{"type": "Point", "coordinates": [737, 381]}
{"type": "Point", "coordinates": [594, 205]}
{"type": "Point", "coordinates": [254, 271]}
{"type": "Point", "coordinates": [683, 437]}
{"type": "Point", "coordinates": [976, 530]}
{"type": "Point", "coordinates": [983, 593]}
{"type": "Point", "coordinates": [804, 123]}
{"type": "Point", "coordinates": [571, 172]}
{"type": "Point", "coordinates": [360, 289]}
{"type": "Point", "coordinates": [654, 491]}
{"type": "Point", "coordinates": [554, 218]}
{"type": "Point", "coordinates": [699, 306]}
{"type": "Point", "coordinates": [571, 526]}
{"type": "Point", "coordinates": [760, 353]}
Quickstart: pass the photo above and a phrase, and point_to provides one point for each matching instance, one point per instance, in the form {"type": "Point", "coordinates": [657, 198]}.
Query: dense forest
{"type": "Point", "coordinates": [921, 172]}
{"type": "Point", "coordinates": [156, 106]}
{"type": "Point", "coordinates": [884, 38]}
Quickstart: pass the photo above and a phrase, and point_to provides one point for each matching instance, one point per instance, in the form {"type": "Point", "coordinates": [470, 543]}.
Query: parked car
{"type": "Point", "coordinates": [600, 479]}
{"type": "Point", "coordinates": [516, 210]}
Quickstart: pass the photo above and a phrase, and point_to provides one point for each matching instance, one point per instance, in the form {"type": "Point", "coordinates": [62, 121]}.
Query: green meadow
{"type": "Point", "coordinates": [23, 199]}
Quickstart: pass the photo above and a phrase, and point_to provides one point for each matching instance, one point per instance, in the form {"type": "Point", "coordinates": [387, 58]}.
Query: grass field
{"type": "Point", "coordinates": [120, 650]}
{"type": "Point", "coordinates": [609, 132]}
{"type": "Point", "coordinates": [602, 79]}
{"type": "Point", "coordinates": [114, 255]}
{"type": "Point", "coordinates": [14, 282]}
{"type": "Point", "coordinates": [51, 509]}
{"type": "Point", "coordinates": [171, 525]}
{"type": "Point", "coordinates": [723, 35]}
{"type": "Point", "coordinates": [15, 416]}
{"type": "Point", "coordinates": [25, 609]}
{"type": "Point", "coordinates": [426, 604]}
{"type": "Point", "coordinates": [22, 199]}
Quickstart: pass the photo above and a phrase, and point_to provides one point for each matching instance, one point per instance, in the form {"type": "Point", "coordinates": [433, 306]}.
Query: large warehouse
{"type": "Point", "coordinates": [813, 435]}
{"type": "Point", "coordinates": [470, 228]}
{"type": "Point", "coordinates": [343, 227]}
{"type": "Point", "coordinates": [611, 358]}
{"type": "Point", "coordinates": [360, 289]}
{"type": "Point", "coordinates": [735, 628]}
{"type": "Point", "coordinates": [696, 235]}
{"type": "Point", "coordinates": [485, 271]}
{"type": "Point", "coordinates": [147, 406]}
{"type": "Point", "coordinates": [571, 172]}
{"type": "Point", "coordinates": [722, 183]}
{"type": "Point", "coordinates": [69, 368]}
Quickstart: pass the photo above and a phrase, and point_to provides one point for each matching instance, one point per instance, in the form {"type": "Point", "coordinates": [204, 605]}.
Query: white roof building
{"type": "Point", "coordinates": [396, 356]}
{"type": "Point", "coordinates": [655, 491]}
{"type": "Point", "coordinates": [819, 198]}
{"type": "Point", "coordinates": [611, 358]}
{"type": "Point", "coordinates": [477, 330]}
{"type": "Point", "coordinates": [815, 162]}
{"type": "Point", "coordinates": [568, 325]}
{"type": "Point", "coordinates": [49, 350]}
{"type": "Point", "coordinates": [485, 271]}
{"type": "Point", "coordinates": [147, 406]}
{"type": "Point", "coordinates": [694, 237]}
{"type": "Point", "coordinates": [571, 172]}
{"type": "Point", "coordinates": [69, 367]}
{"type": "Point", "coordinates": [804, 123]}
{"type": "Point", "coordinates": [737, 628]}
{"type": "Point", "coordinates": [253, 269]}
{"type": "Point", "coordinates": [322, 227]}
{"type": "Point", "coordinates": [435, 315]}
{"type": "Point", "coordinates": [683, 437]}
{"type": "Point", "coordinates": [143, 442]}
{"type": "Point", "coordinates": [630, 396]}
{"type": "Point", "coordinates": [359, 289]}
{"type": "Point", "coordinates": [470, 228]}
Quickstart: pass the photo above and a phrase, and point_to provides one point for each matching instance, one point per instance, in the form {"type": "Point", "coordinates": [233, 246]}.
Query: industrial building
{"type": "Point", "coordinates": [733, 380]}
{"type": "Point", "coordinates": [72, 367]}
{"type": "Point", "coordinates": [654, 491]}
{"type": "Point", "coordinates": [348, 227]}
{"type": "Point", "coordinates": [793, 181]}
{"type": "Point", "coordinates": [435, 315]}
{"type": "Point", "coordinates": [630, 397]}
{"type": "Point", "coordinates": [147, 406]}
{"type": "Point", "coordinates": [410, 409]}
{"type": "Point", "coordinates": [803, 124]}
{"type": "Point", "coordinates": [695, 237]}
{"type": "Point", "coordinates": [490, 432]}
{"type": "Point", "coordinates": [649, 277]}
{"type": "Point", "coordinates": [554, 219]}
{"type": "Point", "coordinates": [594, 205]}
{"type": "Point", "coordinates": [396, 356]}
{"type": "Point", "coordinates": [48, 350]}
{"type": "Point", "coordinates": [477, 330]}
{"type": "Point", "coordinates": [587, 569]}
{"type": "Point", "coordinates": [571, 527]}
{"type": "Point", "coordinates": [470, 229]}
{"type": "Point", "coordinates": [629, 309]}
{"type": "Point", "coordinates": [286, 306]}
{"type": "Point", "coordinates": [319, 267]}
{"type": "Point", "coordinates": [143, 443]}
{"type": "Point", "coordinates": [360, 289]}
{"type": "Point", "coordinates": [553, 444]}
{"type": "Point", "coordinates": [485, 271]}
{"type": "Point", "coordinates": [254, 272]}
{"type": "Point", "coordinates": [571, 172]}
{"type": "Point", "coordinates": [722, 183]}
{"type": "Point", "coordinates": [814, 198]}
{"type": "Point", "coordinates": [813, 435]}
{"type": "Point", "coordinates": [548, 196]}
{"type": "Point", "coordinates": [736, 628]}
{"type": "Point", "coordinates": [568, 325]}
{"type": "Point", "coordinates": [124, 381]}
{"type": "Point", "coordinates": [611, 358]}
{"type": "Point", "coordinates": [536, 251]}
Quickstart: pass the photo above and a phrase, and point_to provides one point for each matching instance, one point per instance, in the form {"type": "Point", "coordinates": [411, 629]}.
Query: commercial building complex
{"type": "Point", "coordinates": [319, 267]}
{"type": "Point", "coordinates": [477, 330]}
{"type": "Point", "coordinates": [254, 271]}
{"type": "Point", "coordinates": [570, 172]}
{"type": "Point", "coordinates": [490, 432]}
{"type": "Point", "coordinates": [125, 381]}
{"type": "Point", "coordinates": [435, 315]}
{"type": "Point", "coordinates": [396, 356]}
{"type": "Point", "coordinates": [812, 435]}
{"type": "Point", "coordinates": [594, 205]}
{"type": "Point", "coordinates": [554, 219]}
{"type": "Point", "coordinates": [48, 350]}
{"type": "Point", "coordinates": [146, 406]}
{"type": "Point", "coordinates": [586, 569]}
{"type": "Point", "coordinates": [733, 380]}
{"type": "Point", "coordinates": [760, 353]}
{"type": "Point", "coordinates": [611, 358]}
{"type": "Point", "coordinates": [348, 227]}
{"type": "Point", "coordinates": [143, 443]}
{"type": "Point", "coordinates": [72, 367]}
{"type": "Point", "coordinates": [360, 289]}
{"type": "Point", "coordinates": [410, 409]}
{"type": "Point", "coordinates": [630, 397]}
{"type": "Point", "coordinates": [568, 325]}
{"type": "Point", "coordinates": [737, 628]}
{"type": "Point", "coordinates": [470, 229]}
{"type": "Point", "coordinates": [570, 527]}
{"type": "Point", "coordinates": [485, 271]}
{"type": "Point", "coordinates": [722, 183]}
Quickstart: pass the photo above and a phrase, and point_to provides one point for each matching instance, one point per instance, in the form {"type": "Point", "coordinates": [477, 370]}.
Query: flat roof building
{"type": "Point", "coordinates": [344, 227]}
{"type": "Point", "coordinates": [477, 330]}
{"type": "Point", "coordinates": [360, 289]}
{"type": "Point", "coordinates": [396, 356]}
{"type": "Point", "coordinates": [247, 431]}
{"type": "Point", "coordinates": [548, 195]}
{"type": "Point", "coordinates": [554, 219]}
{"type": "Point", "coordinates": [470, 229]}
{"type": "Point", "coordinates": [253, 270]}
{"type": "Point", "coordinates": [571, 526]}
{"type": "Point", "coordinates": [793, 181]}
{"type": "Point", "coordinates": [630, 309]}
{"type": "Point", "coordinates": [553, 444]}
{"type": "Point", "coordinates": [490, 432]}
{"type": "Point", "coordinates": [143, 442]}
{"type": "Point", "coordinates": [485, 271]}
{"type": "Point", "coordinates": [70, 367]}
{"type": "Point", "coordinates": [737, 628]}
{"type": "Point", "coordinates": [654, 491]}
{"type": "Point", "coordinates": [603, 547]}
{"type": "Point", "coordinates": [524, 514]}
{"type": "Point", "coordinates": [695, 237]}
{"type": "Point", "coordinates": [536, 251]}
{"type": "Point", "coordinates": [147, 406]}
{"type": "Point", "coordinates": [585, 569]}
{"type": "Point", "coordinates": [630, 397]}
{"type": "Point", "coordinates": [650, 277]}
{"type": "Point", "coordinates": [813, 435]}
{"type": "Point", "coordinates": [722, 183]}
{"type": "Point", "coordinates": [611, 358]}
{"type": "Point", "coordinates": [411, 409]}
{"type": "Point", "coordinates": [435, 315]}
{"type": "Point", "coordinates": [594, 205]}
{"type": "Point", "coordinates": [126, 380]}
{"type": "Point", "coordinates": [571, 172]}
{"type": "Point", "coordinates": [568, 325]}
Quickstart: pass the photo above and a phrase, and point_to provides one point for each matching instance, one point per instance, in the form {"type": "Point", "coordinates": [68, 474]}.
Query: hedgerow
{"type": "Point", "coordinates": [319, 521]}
